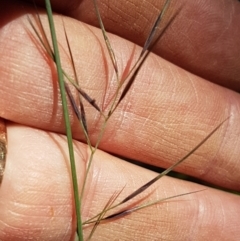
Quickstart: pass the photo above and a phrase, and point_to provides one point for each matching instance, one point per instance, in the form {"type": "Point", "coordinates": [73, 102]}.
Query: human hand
{"type": "Point", "coordinates": [165, 114]}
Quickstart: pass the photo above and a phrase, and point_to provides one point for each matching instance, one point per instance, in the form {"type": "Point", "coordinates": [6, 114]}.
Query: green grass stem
{"type": "Point", "coordinates": [66, 119]}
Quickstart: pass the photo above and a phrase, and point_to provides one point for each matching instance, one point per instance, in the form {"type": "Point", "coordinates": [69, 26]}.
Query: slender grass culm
{"type": "Point", "coordinates": [123, 85]}
{"type": "Point", "coordinates": [90, 115]}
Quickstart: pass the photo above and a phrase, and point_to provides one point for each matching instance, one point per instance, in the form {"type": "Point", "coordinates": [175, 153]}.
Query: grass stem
{"type": "Point", "coordinates": [66, 119]}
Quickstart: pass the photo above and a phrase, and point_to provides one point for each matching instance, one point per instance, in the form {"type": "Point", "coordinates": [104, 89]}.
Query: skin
{"type": "Point", "coordinates": [174, 103]}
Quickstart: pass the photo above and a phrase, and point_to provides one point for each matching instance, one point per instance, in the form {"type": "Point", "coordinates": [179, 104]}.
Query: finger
{"type": "Point", "coordinates": [166, 113]}
{"type": "Point", "coordinates": [203, 38]}
{"type": "Point", "coordinates": [36, 200]}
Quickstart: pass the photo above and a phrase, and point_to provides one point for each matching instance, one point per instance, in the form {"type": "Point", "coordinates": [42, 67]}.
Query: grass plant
{"type": "Point", "coordinates": [123, 85]}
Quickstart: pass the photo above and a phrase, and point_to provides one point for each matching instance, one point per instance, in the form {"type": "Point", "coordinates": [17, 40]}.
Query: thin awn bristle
{"type": "Point", "coordinates": [106, 208]}
{"type": "Point", "coordinates": [107, 42]}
